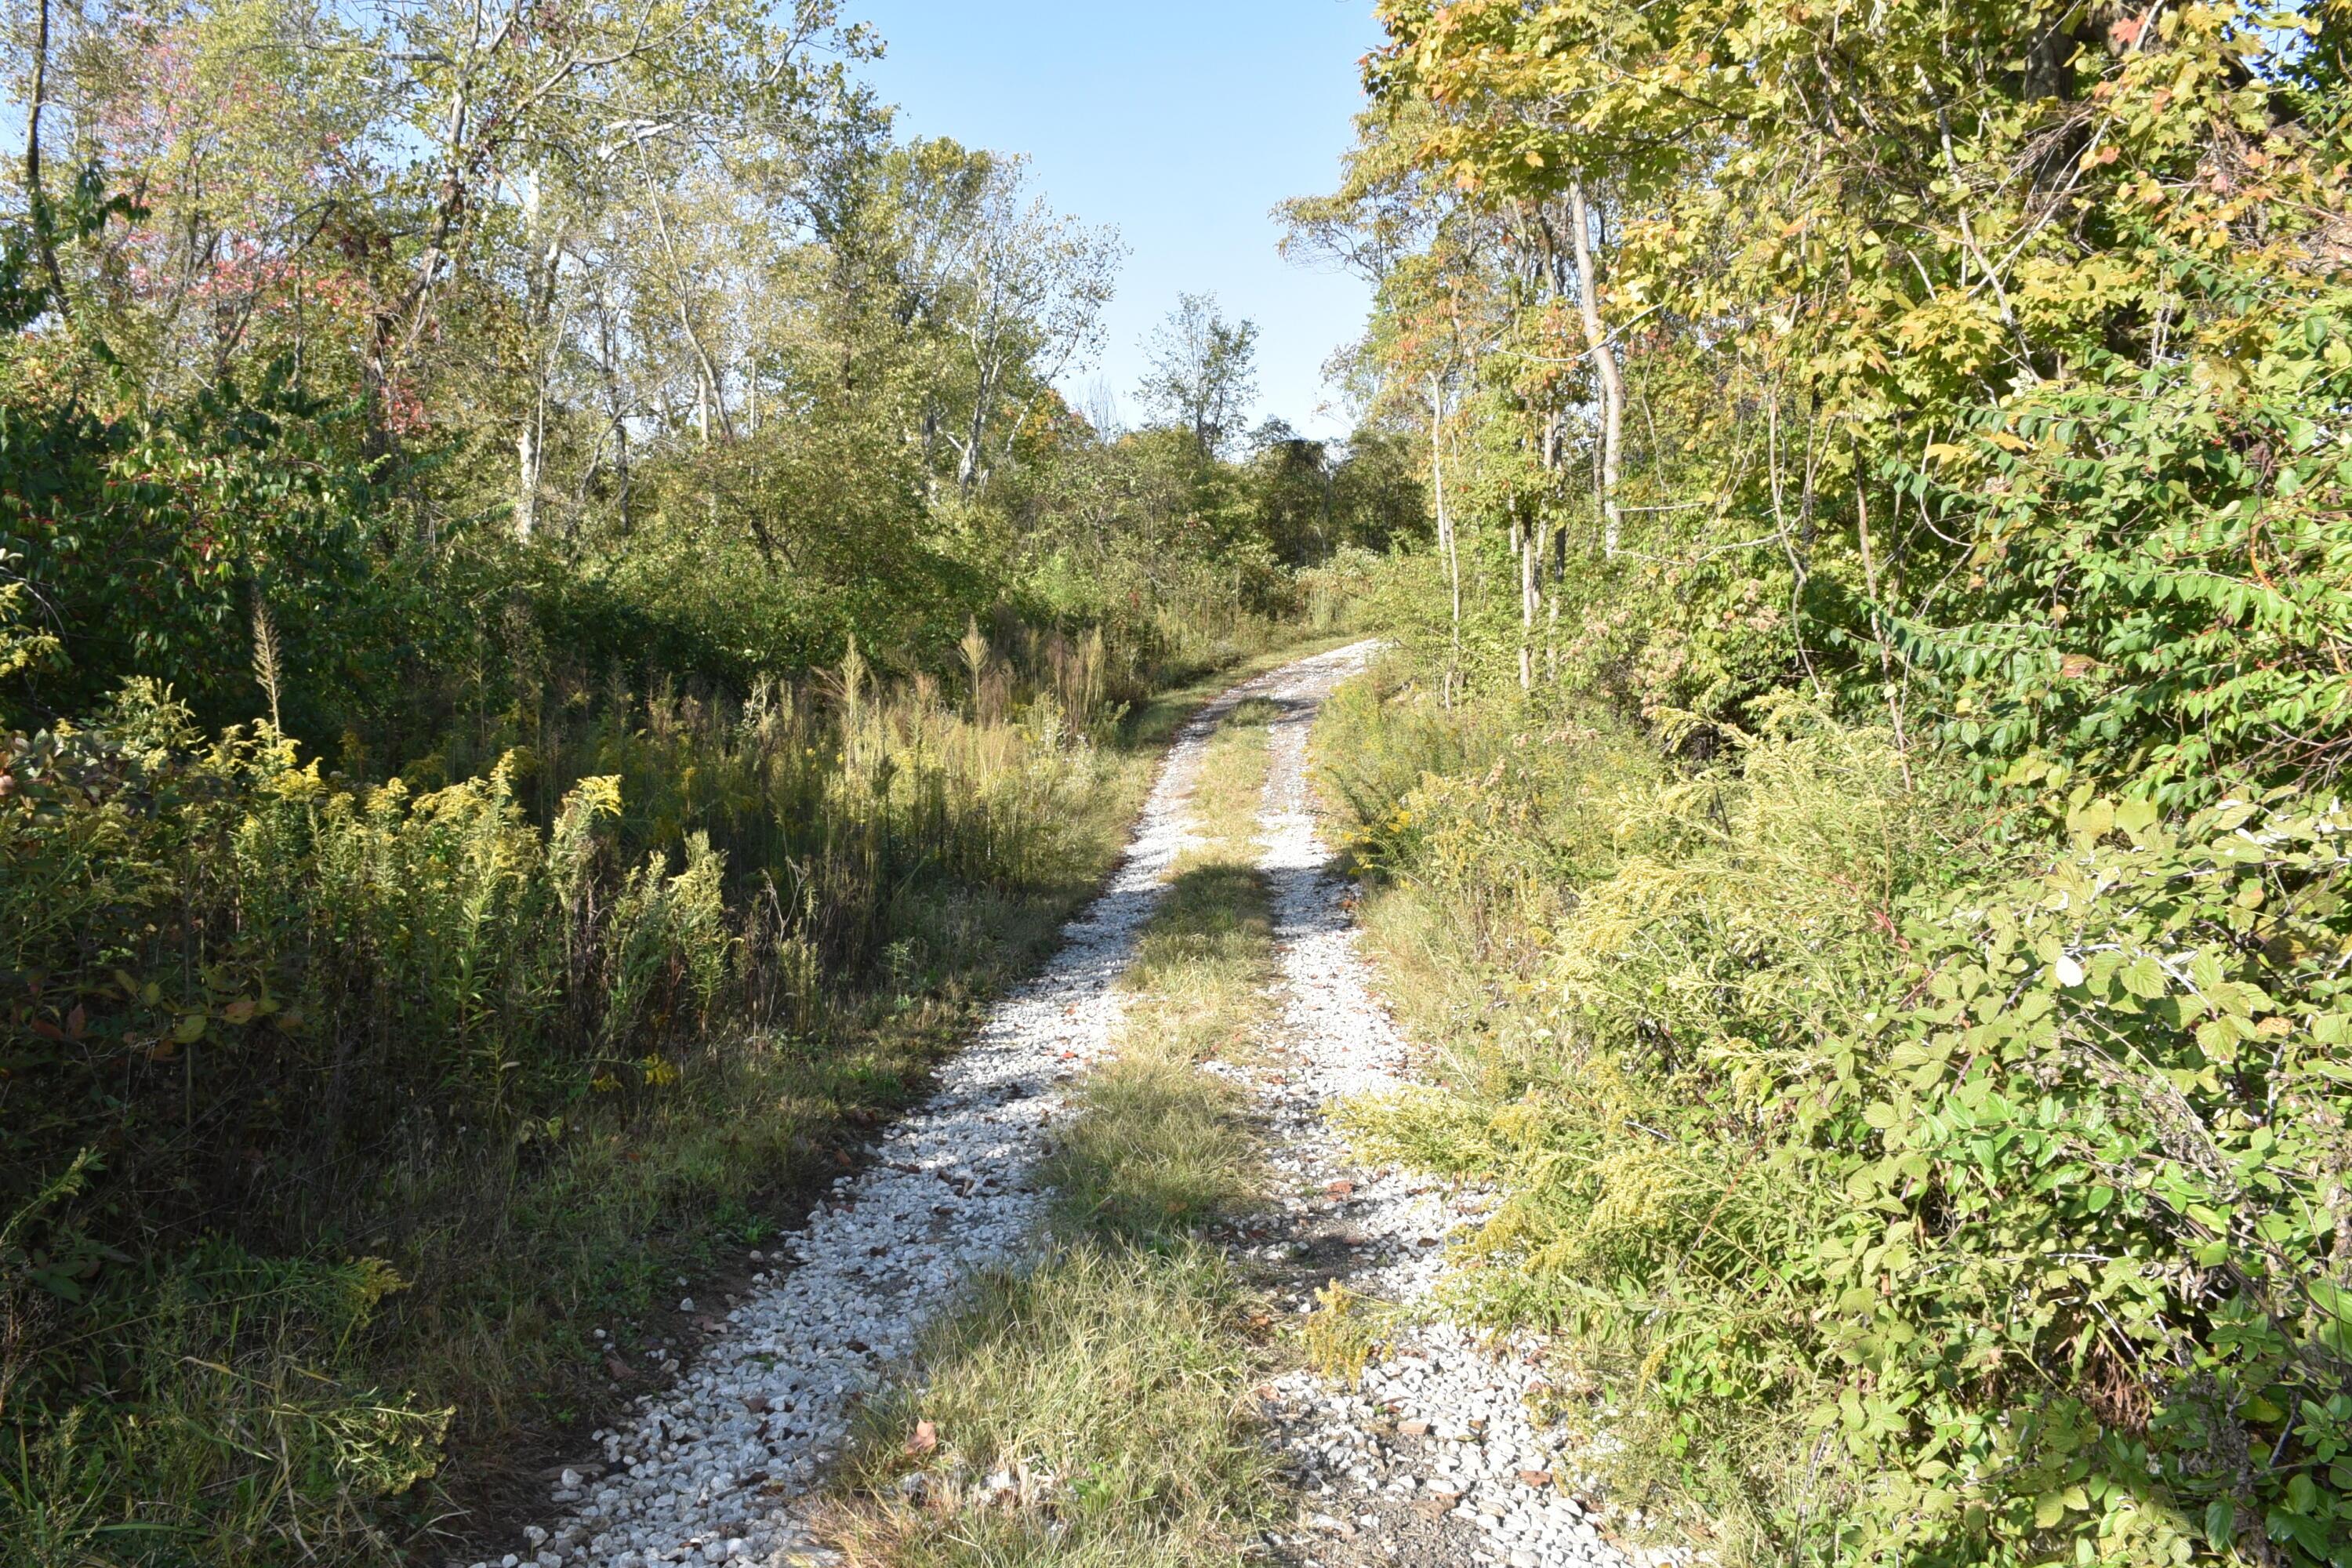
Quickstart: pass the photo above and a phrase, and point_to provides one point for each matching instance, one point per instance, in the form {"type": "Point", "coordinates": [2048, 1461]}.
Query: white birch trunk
{"type": "Point", "coordinates": [1604, 365]}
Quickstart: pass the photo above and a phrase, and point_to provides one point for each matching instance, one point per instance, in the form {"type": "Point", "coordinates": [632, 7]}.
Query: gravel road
{"type": "Point", "coordinates": [709, 1470]}
{"type": "Point", "coordinates": [1430, 1459]}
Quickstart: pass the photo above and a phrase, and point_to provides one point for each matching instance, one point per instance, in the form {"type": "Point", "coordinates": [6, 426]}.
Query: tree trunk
{"type": "Point", "coordinates": [1446, 541]}
{"type": "Point", "coordinates": [1530, 597]}
{"type": "Point", "coordinates": [707, 398]}
{"type": "Point", "coordinates": [525, 515]}
{"type": "Point", "coordinates": [1604, 365]}
{"type": "Point", "coordinates": [968, 460]}
{"type": "Point", "coordinates": [540, 314]}
{"type": "Point", "coordinates": [616, 404]}
{"type": "Point", "coordinates": [44, 229]}
{"type": "Point", "coordinates": [1888, 683]}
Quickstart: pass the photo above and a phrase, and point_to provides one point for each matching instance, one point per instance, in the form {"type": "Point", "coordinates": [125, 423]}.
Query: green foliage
{"type": "Point", "coordinates": [80, 215]}
{"type": "Point", "coordinates": [254, 1428]}
{"type": "Point", "coordinates": [1922, 1185]}
{"type": "Point", "coordinates": [593, 523]}
{"type": "Point", "coordinates": [2115, 1111]}
{"type": "Point", "coordinates": [252, 1006]}
{"type": "Point", "coordinates": [1972, 366]}
{"type": "Point", "coordinates": [2159, 586]}
{"type": "Point", "coordinates": [1925, 420]}
{"type": "Point", "coordinates": [145, 544]}
{"type": "Point", "coordinates": [1202, 375]}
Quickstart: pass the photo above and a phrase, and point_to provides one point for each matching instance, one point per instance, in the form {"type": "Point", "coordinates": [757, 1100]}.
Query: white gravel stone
{"type": "Point", "coordinates": [1458, 1403]}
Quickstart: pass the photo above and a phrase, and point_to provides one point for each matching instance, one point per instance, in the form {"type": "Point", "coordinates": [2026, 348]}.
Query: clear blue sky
{"type": "Point", "coordinates": [1182, 122]}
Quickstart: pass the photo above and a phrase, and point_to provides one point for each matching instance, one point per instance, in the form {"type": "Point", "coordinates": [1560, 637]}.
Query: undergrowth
{"type": "Point", "coordinates": [1921, 1178]}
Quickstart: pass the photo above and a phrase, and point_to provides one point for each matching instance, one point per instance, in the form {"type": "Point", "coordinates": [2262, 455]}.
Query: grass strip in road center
{"type": "Point", "coordinates": [1089, 1409]}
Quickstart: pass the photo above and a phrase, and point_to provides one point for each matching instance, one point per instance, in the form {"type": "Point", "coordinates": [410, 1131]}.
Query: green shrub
{"type": "Point", "coordinates": [2157, 597]}
{"type": "Point", "coordinates": [1925, 1184]}
{"type": "Point", "coordinates": [150, 542]}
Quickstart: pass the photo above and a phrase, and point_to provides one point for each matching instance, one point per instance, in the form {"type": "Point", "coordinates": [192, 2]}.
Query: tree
{"type": "Point", "coordinates": [1848, 277]}
{"type": "Point", "coordinates": [1377, 501]}
{"type": "Point", "coordinates": [1025, 306]}
{"type": "Point", "coordinates": [1203, 374]}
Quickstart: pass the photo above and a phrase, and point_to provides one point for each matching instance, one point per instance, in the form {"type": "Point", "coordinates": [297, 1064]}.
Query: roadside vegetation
{"type": "Point", "coordinates": [1858, 802]}
{"type": "Point", "coordinates": [556, 638]}
{"type": "Point", "coordinates": [1089, 1407]}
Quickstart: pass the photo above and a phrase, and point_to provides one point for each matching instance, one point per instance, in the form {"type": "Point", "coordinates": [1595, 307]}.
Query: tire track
{"type": "Point", "coordinates": [1431, 1457]}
